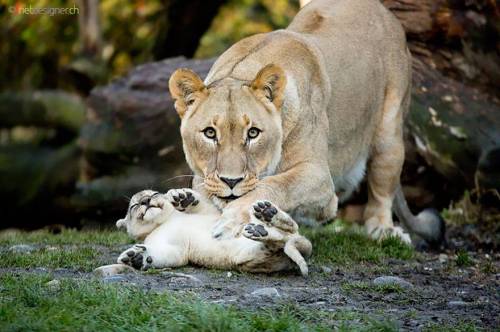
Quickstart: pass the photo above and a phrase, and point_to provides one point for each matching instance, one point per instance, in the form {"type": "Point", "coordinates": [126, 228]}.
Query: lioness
{"type": "Point", "coordinates": [175, 228]}
{"type": "Point", "coordinates": [295, 115]}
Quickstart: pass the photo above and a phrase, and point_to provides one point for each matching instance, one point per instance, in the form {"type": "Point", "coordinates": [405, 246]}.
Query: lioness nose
{"type": "Point", "coordinates": [231, 182]}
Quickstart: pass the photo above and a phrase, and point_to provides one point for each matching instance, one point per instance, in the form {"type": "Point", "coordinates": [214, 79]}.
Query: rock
{"type": "Point", "coordinates": [113, 269]}
{"type": "Point", "coordinates": [53, 284]}
{"type": "Point", "coordinates": [113, 279]}
{"type": "Point", "coordinates": [458, 303]}
{"type": "Point", "coordinates": [22, 249]}
{"type": "Point", "coordinates": [326, 269]}
{"type": "Point", "coordinates": [229, 274]}
{"type": "Point", "coordinates": [392, 280]}
{"type": "Point", "coordinates": [266, 292]}
{"type": "Point", "coordinates": [181, 277]}
{"type": "Point", "coordinates": [443, 258]}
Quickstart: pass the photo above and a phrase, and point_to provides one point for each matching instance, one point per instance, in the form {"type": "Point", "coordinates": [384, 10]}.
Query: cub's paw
{"type": "Point", "coordinates": [136, 257]}
{"type": "Point", "coordinates": [254, 232]}
{"type": "Point", "coordinates": [183, 200]}
{"type": "Point", "coordinates": [271, 215]}
{"type": "Point", "coordinates": [264, 211]}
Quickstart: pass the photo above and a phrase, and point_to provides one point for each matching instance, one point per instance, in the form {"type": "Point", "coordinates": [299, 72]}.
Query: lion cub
{"type": "Point", "coordinates": [176, 229]}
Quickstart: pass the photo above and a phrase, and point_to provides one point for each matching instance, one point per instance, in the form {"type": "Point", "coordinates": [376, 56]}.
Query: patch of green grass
{"type": "Point", "coordinates": [353, 286]}
{"type": "Point", "coordinates": [463, 258]}
{"type": "Point", "coordinates": [82, 258]}
{"type": "Point", "coordinates": [67, 236]}
{"type": "Point", "coordinates": [457, 327]}
{"type": "Point", "coordinates": [27, 304]}
{"type": "Point", "coordinates": [352, 246]}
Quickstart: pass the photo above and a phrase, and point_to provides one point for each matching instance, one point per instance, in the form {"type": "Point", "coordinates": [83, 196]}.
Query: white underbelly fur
{"type": "Point", "coordinates": [349, 182]}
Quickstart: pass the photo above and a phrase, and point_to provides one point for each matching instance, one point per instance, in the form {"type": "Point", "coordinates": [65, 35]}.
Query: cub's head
{"type": "Point", "coordinates": [231, 129]}
{"type": "Point", "coordinates": [140, 218]}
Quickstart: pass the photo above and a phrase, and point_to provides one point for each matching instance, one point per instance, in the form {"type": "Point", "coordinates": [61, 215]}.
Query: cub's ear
{"type": "Point", "coordinates": [270, 83]}
{"type": "Point", "coordinates": [185, 87]}
{"type": "Point", "coordinates": [121, 223]}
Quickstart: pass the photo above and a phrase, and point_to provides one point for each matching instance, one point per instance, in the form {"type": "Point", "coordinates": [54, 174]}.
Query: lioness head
{"type": "Point", "coordinates": [231, 129]}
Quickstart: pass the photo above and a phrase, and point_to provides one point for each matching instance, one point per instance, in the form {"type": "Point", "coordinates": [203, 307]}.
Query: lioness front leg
{"type": "Point", "coordinates": [308, 187]}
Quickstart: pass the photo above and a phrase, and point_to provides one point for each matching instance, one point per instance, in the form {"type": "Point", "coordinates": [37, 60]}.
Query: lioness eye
{"type": "Point", "coordinates": [253, 132]}
{"type": "Point", "coordinates": [209, 132]}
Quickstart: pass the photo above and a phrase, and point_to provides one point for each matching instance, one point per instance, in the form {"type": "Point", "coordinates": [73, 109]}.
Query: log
{"type": "Point", "coordinates": [131, 138]}
{"type": "Point", "coordinates": [49, 109]}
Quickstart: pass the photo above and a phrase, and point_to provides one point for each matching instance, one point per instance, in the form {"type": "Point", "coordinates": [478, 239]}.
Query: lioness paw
{"type": "Point", "coordinates": [380, 233]}
{"type": "Point", "coordinates": [183, 200]}
{"type": "Point", "coordinates": [136, 257]}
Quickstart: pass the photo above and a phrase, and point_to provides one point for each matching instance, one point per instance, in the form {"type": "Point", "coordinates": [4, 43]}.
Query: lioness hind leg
{"type": "Point", "coordinates": [384, 171]}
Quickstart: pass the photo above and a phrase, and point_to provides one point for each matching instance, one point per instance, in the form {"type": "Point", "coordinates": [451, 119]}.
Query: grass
{"type": "Point", "coordinates": [79, 258]}
{"type": "Point", "coordinates": [67, 236]}
{"type": "Point", "coordinates": [463, 258]}
{"type": "Point", "coordinates": [351, 246]}
{"type": "Point", "coordinates": [355, 286]}
{"type": "Point", "coordinates": [27, 303]}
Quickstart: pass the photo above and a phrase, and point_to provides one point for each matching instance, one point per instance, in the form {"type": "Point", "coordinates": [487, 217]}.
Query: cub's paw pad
{"type": "Point", "coordinates": [136, 257]}
{"type": "Point", "coordinates": [264, 210]}
{"type": "Point", "coordinates": [182, 199]}
{"type": "Point", "coordinates": [255, 231]}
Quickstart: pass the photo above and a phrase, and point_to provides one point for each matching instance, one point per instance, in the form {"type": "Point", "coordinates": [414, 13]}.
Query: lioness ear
{"type": "Point", "coordinates": [185, 86]}
{"type": "Point", "coordinates": [270, 82]}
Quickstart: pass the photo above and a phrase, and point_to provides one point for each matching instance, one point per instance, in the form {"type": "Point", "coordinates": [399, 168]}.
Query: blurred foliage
{"type": "Point", "coordinates": [241, 18]}
{"type": "Point", "coordinates": [35, 49]}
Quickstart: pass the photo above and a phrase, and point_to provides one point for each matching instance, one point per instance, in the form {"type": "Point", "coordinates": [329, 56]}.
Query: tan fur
{"type": "Point", "coordinates": [342, 76]}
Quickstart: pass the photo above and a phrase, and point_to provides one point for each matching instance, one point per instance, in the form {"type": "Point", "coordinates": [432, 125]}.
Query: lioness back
{"type": "Point", "coordinates": [340, 55]}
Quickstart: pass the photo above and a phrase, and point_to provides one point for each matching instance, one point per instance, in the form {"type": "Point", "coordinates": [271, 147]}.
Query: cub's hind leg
{"type": "Point", "coordinates": [384, 170]}
{"type": "Point", "coordinates": [278, 231]}
{"type": "Point", "coordinates": [155, 255]}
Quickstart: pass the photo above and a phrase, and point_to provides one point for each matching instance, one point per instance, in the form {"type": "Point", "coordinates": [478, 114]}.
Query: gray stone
{"type": "Point", "coordinates": [181, 277]}
{"type": "Point", "coordinates": [53, 284]}
{"type": "Point", "coordinates": [457, 303]}
{"type": "Point", "coordinates": [113, 279]}
{"type": "Point", "coordinates": [22, 248]}
{"type": "Point", "coordinates": [266, 292]}
{"type": "Point", "coordinates": [326, 269]}
{"type": "Point", "coordinates": [443, 258]}
{"type": "Point", "coordinates": [392, 280]}
{"type": "Point", "coordinates": [113, 269]}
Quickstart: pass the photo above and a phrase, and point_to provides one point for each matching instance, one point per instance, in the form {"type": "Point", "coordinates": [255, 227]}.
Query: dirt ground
{"type": "Point", "coordinates": [439, 293]}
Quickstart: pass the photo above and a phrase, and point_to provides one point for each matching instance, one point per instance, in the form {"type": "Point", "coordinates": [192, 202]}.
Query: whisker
{"type": "Point", "coordinates": [180, 176]}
